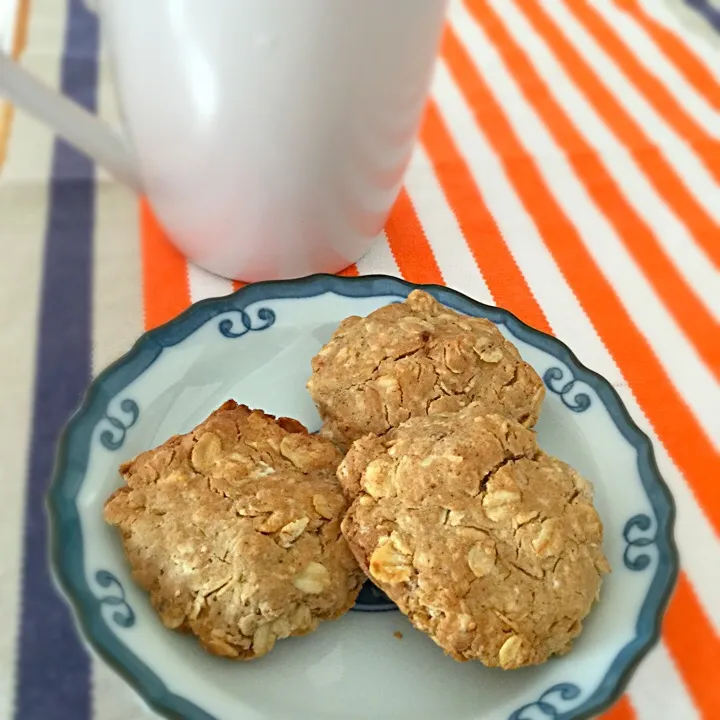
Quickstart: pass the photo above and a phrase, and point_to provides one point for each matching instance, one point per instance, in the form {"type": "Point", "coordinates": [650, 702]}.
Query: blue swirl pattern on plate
{"type": "Point", "coordinates": [227, 326]}
{"type": "Point", "coordinates": [124, 615]}
{"type": "Point", "coordinates": [113, 437]}
{"type": "Point", "coordinates": [575, 401]}
{"type": "Point", "coordinates": [547, 703]}
{"type": "Point", "coordinates": [634, 537]}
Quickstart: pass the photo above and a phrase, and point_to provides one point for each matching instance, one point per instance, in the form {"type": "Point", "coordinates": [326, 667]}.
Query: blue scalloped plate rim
{"type": "Point", "coordinates": [66, 541]}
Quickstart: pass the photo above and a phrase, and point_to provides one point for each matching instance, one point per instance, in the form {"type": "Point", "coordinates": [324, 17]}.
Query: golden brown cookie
{"type": "Point", "coordinates": [417, 358]}
{"type": "Point", "coordinates": [487, 544]}
{"type": "Point", "coordinates": [234, 530]}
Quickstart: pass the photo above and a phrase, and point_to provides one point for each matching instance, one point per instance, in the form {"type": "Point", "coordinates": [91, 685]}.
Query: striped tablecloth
{"type": "Point", "coordinates": [568, 170]}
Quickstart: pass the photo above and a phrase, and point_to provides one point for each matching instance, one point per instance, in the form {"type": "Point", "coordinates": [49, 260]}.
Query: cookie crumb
{"type": "Point", "coordinates": [398, 635]}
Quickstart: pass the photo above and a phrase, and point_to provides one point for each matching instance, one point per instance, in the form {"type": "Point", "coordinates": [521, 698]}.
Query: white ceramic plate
{"type": "Point", "coordinates": [255, 346]}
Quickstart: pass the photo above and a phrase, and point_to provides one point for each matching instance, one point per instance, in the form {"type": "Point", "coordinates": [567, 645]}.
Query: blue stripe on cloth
{"type": "Point", "coordinates": [710, 12]}
{"type": "Point", "coordinates": [53, 679]}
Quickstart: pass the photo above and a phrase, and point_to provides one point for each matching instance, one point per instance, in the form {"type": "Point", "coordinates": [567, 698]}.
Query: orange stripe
{"type": "Point", "coordinates": [237, 284]}
{"type": "Point", "coordinates": [693, 643]}
{"type": "Point", "coordinates": [165, 281]}
{"type": "Point", "coordinates": [680, 432]}
{"type": "Point", "coordinates": [677, 427]}
{"type": "Point", "coordinates": [409, 245]}
{"type": "Point", "coordinates": [687, 309]}
{"type": "Point", "coordinates": [677, 51]}
{"type": "Point", "coordinates": [19, 42]}
{"type": "Point", "coordinates": [657, 169]}
{"type": "Point", "coordinates": [351, 271]}
{"type": "Point", "coordinates": [495, 261]}
{"type": "Point", "coordinates": [621, 710]}
{"type": "Point", "coordinates": [707, 147]}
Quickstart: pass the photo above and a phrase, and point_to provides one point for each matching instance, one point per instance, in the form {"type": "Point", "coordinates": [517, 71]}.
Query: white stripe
{"type": "Point", "coordinates": [117, 266]}
{"type": "Point", "coordinates": [702, 44]}
{"type": "Point", "coordinates": [23, 213]}
{"type": "Point", "coordinates": [117, 322]}
{"type": "Point", "coordinates": [204, 284]}
{"type": "Point", "coordinates": [379, 260]}
{"type": "Point", "coordinates": [453, 256]}
{"type": "Point", "coordinates": [657, 691]}
{"type": "Point", "coordinates": [117, 317]}
{"type": "Point", "coordinates": [678, 357]}
{"type": "Point", "coordinates": [655, 62]}
{"type": "Point", "coordinates": [672, 235]}
{"type": "Point", "coordinates": [687, 164]}
{"type": "Point", "coordinates": [571, 324]}
{"type": "Point", "coordinates": [23, 217]}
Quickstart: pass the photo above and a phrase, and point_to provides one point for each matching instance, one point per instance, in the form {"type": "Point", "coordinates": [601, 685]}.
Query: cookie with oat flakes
{"type": "Point", "coordinates": [417, 358]}
{"type": "Point", "coordinates": [488, 544]}
{"type": "Point", "coordinates": [234, 530]}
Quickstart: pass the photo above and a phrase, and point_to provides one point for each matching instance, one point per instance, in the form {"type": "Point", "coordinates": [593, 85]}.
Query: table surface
{"type": "Point", "coordinates": [568, 170]}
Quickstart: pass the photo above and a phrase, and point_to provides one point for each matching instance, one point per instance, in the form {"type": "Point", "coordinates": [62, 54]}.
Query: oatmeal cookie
{"type": "Point", "coordinates": [487, 544]}
{"type": "Point", "coordinates": [417, 358]}
{"type": "Point", "coordinates": [234, 530]}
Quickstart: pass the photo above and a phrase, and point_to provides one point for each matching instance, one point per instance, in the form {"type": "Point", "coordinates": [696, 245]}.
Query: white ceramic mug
{"type": "Point", "coordinates": [271, 136]}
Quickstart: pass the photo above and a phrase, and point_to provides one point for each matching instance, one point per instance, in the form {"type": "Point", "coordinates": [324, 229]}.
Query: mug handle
{"type": "Point", "coordinates": [70, 121]}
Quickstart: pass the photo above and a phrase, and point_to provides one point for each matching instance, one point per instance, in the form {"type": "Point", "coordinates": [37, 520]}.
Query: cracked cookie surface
{"type": "Point", "coordinates": [234, 530]}
{"type": "Point", "coordinates": [488, 544]}
{"type": "Point", "coordinates": [417, 358]}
